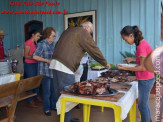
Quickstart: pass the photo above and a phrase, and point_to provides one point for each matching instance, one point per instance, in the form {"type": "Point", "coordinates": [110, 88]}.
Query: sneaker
{"type": "Point", "coordinates": [39, 99]}
{"type": "Point", "coordinates": [78, 106]}
{"type": "Point", "coordinates": [32, 104]}
{"type": "Point", "coordinates": [47, 113]}
{"type": "Point", "coordinates": [74, 120]}
{"type": "Point", "coordinates": [54, 109]}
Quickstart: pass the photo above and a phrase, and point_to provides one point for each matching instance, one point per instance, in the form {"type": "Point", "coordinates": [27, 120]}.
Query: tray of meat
{"type": "Point", "coordinates": [112, 73]}
{"type": "Point", "coordinates": [92, 88]}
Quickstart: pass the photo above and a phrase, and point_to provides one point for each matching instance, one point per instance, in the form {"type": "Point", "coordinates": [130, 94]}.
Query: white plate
{"type": "Point", "coordinates": [128, 65]}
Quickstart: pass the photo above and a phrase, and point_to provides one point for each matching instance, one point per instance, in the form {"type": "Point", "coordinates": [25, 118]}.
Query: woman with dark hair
{"type": "Point", "coordinates": [30, 65]}
{"type": "Point", "coordinates": [146, 79]}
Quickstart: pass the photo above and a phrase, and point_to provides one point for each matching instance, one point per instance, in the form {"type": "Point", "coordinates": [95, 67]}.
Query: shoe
{"type": "Point", "coordinates": [47, 113]}
{"type": "Point", "coordinates": [74, 120]}
{"type": "Point", "coordinates": [39, 99]}
{"type": "Point", "coordinates": [78, 106]}
{"type": "Point", "coordinates": [32, 104]}
{"type": "Point", "coordinates": [54, 109]}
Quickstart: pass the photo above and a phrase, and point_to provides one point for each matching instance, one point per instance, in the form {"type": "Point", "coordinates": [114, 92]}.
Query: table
{"type": "Point", "coordinates": [93, 74]}
{"type": "Point", "coordinates": [9, 78]}
{"type": "Point", "coordinates": [123, 106]}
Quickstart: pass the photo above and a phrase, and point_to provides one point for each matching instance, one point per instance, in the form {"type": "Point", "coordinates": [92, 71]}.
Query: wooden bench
{"type": "Point", "coordinates": [10, 89]}
{"type": "Point", "coordinates": [18, 93]}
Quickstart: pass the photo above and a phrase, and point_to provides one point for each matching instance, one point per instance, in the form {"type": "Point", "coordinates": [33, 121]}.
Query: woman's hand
{"type": "Point", "coordinates": [48, 61]}
{"type": "Point", "coordinates": [129, 59]}
{"type": "Point", "coordinates": [38, 58]}
{"type": "Point", "coordinates": [120, 67]}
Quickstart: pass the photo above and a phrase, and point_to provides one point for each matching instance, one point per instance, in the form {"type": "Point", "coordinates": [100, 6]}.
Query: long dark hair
{"type": "Point", "coordinates": [127, 30]}
{"type": "Point", "coordinates": [32, 32]}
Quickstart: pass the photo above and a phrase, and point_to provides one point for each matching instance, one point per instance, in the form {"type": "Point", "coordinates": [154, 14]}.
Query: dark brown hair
{"type": "Point", "coordinates": [127, 30]}
{"type": "Point", "coordinates": [47, 32]}
{"type": "Point", "coordinates": [32, 32]}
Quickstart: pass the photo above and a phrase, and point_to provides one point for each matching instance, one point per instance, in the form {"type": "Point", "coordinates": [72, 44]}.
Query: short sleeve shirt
{"type": "Point", "coordinates": [143, 49]}
{"type": "Point", "coordinates": [32, 46]}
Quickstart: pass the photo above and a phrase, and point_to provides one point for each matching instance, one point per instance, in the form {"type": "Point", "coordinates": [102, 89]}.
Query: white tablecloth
{"type": "Point", "coordinates": [92, 74]}
{"type": "Point", "coordinates": [125, 102]}
{"type": "Point", "coordinates": [7, 78]}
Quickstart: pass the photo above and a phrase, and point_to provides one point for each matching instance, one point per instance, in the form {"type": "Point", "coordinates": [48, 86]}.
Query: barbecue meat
{"type": "Point", "coordinates": [90, 87]}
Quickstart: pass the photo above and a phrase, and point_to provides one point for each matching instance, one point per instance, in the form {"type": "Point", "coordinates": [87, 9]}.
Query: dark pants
{"type": "Point", "coordinates": [61, 80]}
{"type": "Point", "coordinates": [30, 70]}
{"type": "Point", "coordinates": [48, 93]}
{"type": "Point", "coordinates": [85, 73]}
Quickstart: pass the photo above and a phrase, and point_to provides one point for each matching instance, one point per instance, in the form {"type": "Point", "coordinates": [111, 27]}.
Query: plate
{"type": "Point", "coordinates": [97, 69]}
{"type": "Point", "coordinates": [128, 65]}
{"type": "Point", "coordinates": [108, 94]}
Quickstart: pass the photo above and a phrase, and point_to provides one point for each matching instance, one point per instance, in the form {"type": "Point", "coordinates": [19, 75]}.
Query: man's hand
{"type": "Point", "coordinates": [108, 66]}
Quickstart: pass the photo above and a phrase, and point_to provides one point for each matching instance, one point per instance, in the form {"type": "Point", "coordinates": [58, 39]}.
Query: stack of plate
{"type": "Point", "coordinates": [128, 65]}
{"type": "Point", "coordinates": [5, 68]}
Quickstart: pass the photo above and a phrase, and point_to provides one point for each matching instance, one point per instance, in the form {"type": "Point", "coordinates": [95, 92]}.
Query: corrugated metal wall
{"type": "Point", "coordinates": [112, 15]}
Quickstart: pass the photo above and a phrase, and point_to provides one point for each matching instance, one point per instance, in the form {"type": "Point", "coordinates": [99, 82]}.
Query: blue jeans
{"type": "Point", "coordinates": [61, 80]}
{"type": "Point", "coordinates": [144, 88]}
{"type": "Point", "coordinates": [48, 93]}
{"type": "Point", "coordinates": [30, 70]}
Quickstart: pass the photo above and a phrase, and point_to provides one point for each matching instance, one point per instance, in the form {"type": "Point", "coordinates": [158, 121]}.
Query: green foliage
{"type": "Point", "coordinates": [113, 67]}
{"type": "Point", "coordinates": [128, 54]}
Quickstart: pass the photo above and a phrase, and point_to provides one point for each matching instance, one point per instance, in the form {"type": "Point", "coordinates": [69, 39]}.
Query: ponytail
{"type": "Point", "coordinates": [127, 30]}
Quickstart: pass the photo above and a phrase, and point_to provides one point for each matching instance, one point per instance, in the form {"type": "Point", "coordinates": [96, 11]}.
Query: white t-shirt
{"type": "Point", "coordinates": [54, 64]}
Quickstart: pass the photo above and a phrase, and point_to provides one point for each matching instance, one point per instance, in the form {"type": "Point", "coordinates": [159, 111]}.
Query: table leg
{"type": "Point", "coordinates": [132, 113]}
{"type": "Point", "coordinates": [85, 112]}
{"type": "Point", "coordinates": [17, 76]}
{"type": "Point", "coordinates": [117, 114]}
{"type": "Point", "coordinates": [63, 105]}
{"type": "Point", "coordinates": [88, 116]}
{"type": "Point", "coordinates": [102, 109]}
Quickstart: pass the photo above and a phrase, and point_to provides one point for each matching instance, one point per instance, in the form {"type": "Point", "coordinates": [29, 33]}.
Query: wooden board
{"type": "Point", "coordinates": [7, 100]}
{"type": "Point", "coordinates": [120, 86]}
{"type": "Point", "coordinates": [117, 86]}
{"type": "Point", "coordinates": [114, 98]}
{"type": "Point", "coordinates": [25, 95]}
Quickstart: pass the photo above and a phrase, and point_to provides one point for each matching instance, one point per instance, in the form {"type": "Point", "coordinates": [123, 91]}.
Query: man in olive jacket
{"type": "Point", "coordinates": [69, 50]}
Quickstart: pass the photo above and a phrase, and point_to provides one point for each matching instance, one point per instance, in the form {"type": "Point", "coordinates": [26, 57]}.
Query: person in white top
{"type": "Point", "coordinates": [84, 62]}
{"type": "Point", "coordinates": [79, 73]}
